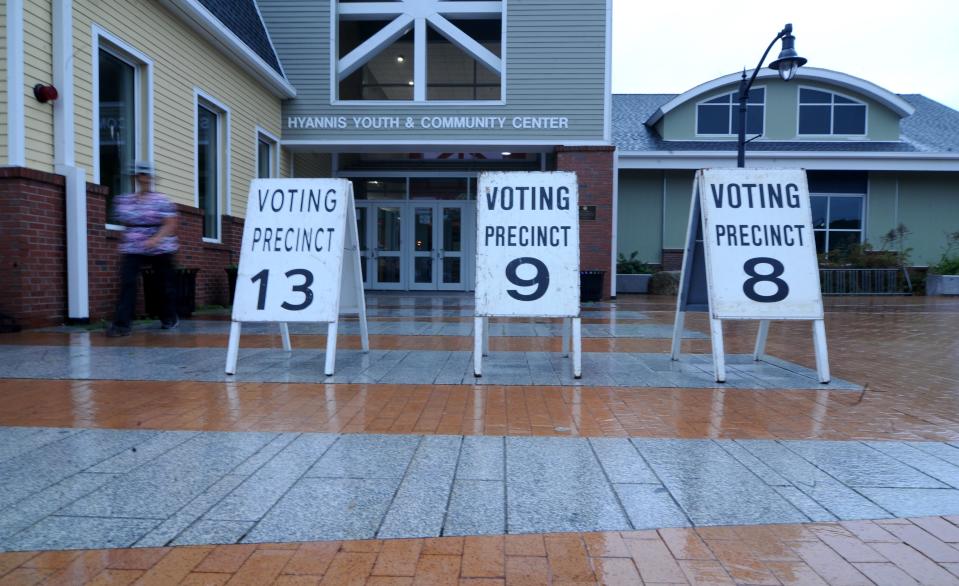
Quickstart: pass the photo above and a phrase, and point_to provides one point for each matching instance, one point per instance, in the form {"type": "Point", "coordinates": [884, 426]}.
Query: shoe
{"type": "Point", "coordinates": [167, 325]}
{"type": "Point", "coordinates": [118, 331]}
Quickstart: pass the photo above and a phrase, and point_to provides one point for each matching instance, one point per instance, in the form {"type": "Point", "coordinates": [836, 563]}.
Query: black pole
{"type": "Point", "coordinates": [744, 86]}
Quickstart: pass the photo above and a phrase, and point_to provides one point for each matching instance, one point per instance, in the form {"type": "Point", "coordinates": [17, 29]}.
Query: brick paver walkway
{"type": "Point", "coordinates": [903, 352]}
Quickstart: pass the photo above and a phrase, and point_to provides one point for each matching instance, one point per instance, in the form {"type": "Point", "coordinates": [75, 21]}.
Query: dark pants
{"type": "Point", "coordinates": [129, 270]}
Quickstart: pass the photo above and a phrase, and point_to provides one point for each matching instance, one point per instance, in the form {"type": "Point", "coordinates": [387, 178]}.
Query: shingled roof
{"type": "Point", "coordinates": [933, 128]}
{"type": "Point", "coordinates": [243, 19]}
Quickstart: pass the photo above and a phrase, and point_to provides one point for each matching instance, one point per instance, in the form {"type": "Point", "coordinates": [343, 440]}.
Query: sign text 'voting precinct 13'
{"type": "Point", "coordinates": [527, 244]}
{"type": "Point", "coordinates": [759, 244]}
{"type": "Point", "coordinates": [291, 262]}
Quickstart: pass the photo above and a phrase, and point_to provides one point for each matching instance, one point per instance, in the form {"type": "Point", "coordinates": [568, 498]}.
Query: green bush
{"type": "Point", "coordinates": [949, 261]}
{"type": "Point", "coordinates": [892, 255]}
{"type": "Point", "coordinates": [631, 265]}
{"type": "Point", "coordinates": [664, 283]}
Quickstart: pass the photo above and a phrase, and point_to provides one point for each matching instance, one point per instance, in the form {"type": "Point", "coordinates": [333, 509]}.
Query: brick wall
{"type": "Point", "coordinates": [673, 259]}
{"type": "Point", "coordinates": [33, 250]}
{"type": "Point", "coordinates": [594, 172]}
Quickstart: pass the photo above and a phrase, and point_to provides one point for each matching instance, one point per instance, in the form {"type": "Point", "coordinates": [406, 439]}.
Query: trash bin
{"type": "Point", "coordinates": [591, 285]}
{"type": "Point", "coordinates": [184, 283]}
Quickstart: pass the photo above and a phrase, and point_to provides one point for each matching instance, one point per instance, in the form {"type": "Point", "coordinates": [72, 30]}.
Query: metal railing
{"type": "Point", "coordinates": [851, 281]}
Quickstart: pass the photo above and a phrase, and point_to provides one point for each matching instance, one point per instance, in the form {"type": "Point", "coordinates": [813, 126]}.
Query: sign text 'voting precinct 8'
{"type": "Point", "coordinates": [291, 261]}
{"type": "Point", "coordinates": [760, 247]}
{"type": "Point", "coordinates": [527, 244]}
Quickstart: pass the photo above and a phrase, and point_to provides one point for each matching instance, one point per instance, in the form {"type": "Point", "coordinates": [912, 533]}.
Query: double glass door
{"type": "Point", "coordinates": [415, 245]}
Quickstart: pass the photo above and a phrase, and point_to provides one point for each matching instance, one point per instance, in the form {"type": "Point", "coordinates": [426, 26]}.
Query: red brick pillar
{"type": "Point", "coordinates": [594, 171]}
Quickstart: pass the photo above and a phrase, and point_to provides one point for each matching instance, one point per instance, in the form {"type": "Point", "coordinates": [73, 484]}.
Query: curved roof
{"type": "Point", "coordinates": [888, 99]}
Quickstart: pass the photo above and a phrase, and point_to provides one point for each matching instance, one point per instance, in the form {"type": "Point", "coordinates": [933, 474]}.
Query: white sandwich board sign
{"type": "Point", "coordinates": [527, 254]}
{"type": "Point", "coordinates": [751, 254]}
{"type": "Point", "coordinates": [299, 261]}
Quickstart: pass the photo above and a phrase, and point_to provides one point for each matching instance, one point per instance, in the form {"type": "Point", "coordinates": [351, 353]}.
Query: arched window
{"type": "Point", "coordinates": [826, 113]}
{"type": "Point", "coordinates": [719, 116]}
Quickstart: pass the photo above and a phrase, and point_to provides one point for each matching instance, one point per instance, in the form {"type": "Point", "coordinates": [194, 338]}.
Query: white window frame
{"type": "Point", "coordinates": [827, 229]}
{"type": "Point", "coordinates": [223, 199]}
{"type": "Point", "coordinates": [142, 96]}
{"type": "Point", "coordinates": [400, 25]}
{"type": "Point", "coordinates": [263, 135]}
{"type": "Point", "coordinates": [832, 113]}
{"type": "Point", "coordinates": [733, 111]}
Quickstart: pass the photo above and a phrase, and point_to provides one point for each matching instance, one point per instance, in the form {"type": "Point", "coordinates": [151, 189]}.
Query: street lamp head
{"type": "Point", "coordinates": [788, 61]}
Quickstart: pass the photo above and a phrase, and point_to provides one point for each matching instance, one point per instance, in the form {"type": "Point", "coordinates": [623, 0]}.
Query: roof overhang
{"type": "Point", "coordinates": [201, 20]}
{"type": "Point", "coordinates": [888, 99]}
{"type": "Point", "coordinates": [805, 160]}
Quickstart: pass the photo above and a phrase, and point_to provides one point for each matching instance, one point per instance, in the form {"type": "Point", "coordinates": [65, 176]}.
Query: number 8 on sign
{"type": "Point", "coordinates": [749, 287]}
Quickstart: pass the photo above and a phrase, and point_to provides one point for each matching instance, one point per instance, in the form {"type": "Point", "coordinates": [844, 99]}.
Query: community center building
{"type": "Point", "coordinates": [411, 100]}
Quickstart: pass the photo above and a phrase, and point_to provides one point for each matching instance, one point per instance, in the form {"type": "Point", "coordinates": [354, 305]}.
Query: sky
{"type": "Point", "coordinates": [908, 48]}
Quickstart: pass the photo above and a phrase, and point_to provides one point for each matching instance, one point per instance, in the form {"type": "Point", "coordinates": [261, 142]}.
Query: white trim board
{"type": "Point", "coordinates": [224, 199]}
{"type": "Point", "coordinates": [16, 121]}
{"type": "Point", "coordinates": [888, 99]}
{"type": "Point", "coordinates": [807, 160]}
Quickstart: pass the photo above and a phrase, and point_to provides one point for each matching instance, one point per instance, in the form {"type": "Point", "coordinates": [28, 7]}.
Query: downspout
{"type": "Point", "coordinates": [16, 125]}
{"type": "Point", "coordinates": [64, 140]}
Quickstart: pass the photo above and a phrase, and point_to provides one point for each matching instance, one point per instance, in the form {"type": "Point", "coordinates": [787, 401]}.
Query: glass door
{"type": "Point", "coordinates": [387, 255]}
{"type": "Point", "coordinates": [423, 267]}
{"type": "Point", "coordinates": [362, 230]}
{"type": "Point", "coordinates": [452, 230]}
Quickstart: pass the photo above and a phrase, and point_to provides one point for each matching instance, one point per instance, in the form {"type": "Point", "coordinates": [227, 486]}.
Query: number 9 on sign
{"type": "Point", "coordinates": [540, 279]}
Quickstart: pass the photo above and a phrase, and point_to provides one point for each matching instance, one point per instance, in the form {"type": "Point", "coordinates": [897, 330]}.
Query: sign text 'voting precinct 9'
{"type": "Point", "coordinates": [527, 244]}
{"type": "Point", "coordinates": [759, 244]}
{"type": "Point", "coordinates": [291, 262]}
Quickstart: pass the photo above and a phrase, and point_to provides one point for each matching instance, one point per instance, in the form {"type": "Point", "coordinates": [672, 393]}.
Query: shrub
{"type": "Point", "coordinates": [631, 265]}
{"type": "Point", "coordinates": [664, 283]}
{"type": "Point", "coordinates": [949, 261]}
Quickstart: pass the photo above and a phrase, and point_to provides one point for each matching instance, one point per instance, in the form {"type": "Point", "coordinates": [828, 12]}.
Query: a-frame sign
{"type": "Point", "coordinates": [751, 254]}
{"type": "Point", "coordinates": [299, 261]}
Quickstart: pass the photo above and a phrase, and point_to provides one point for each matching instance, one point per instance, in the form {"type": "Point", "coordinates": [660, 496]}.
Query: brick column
{"type": "Point", "coordinates": [594, 171]}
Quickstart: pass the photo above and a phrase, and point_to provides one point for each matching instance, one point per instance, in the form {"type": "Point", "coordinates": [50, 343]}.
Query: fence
{"type": "Point", "coordinates": [865, 281]}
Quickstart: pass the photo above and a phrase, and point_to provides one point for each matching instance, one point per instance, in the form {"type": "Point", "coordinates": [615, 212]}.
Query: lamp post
{"type": "Point", "coordinates": [787, 63]}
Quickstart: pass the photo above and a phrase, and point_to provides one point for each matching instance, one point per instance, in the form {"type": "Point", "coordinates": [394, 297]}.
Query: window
{"type": "Point", "coordinates": [419, 50]}
{"type": "Point", "coordinates": [720, 115]}
{"type": "Point", "coordinates": [825, 113]}
{"type": "Point", "coordinates": [837, 200]}
{"type": "Point", "coordinates": [212, 163]}
{"type": "Point", "coordinates": [122, 113]}
{"type": "Point", "coordinates": [266, 155]}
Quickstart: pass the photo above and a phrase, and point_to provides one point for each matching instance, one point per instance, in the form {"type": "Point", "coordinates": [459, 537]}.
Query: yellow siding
{"type": "Point", "coordinates": [3, 82]}
{"type": "Point", "coordinates": [181, 61]}
{"type": "Point", "coordinates": [285, 158]}
{"type": "Point", "coordinates": [312, 165]}
{"type": "Point", "coordinates": [38, 68]}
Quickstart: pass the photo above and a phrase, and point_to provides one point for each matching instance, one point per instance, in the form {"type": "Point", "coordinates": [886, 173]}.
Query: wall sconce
{"type": "Point", "coordinates": [45, 93]}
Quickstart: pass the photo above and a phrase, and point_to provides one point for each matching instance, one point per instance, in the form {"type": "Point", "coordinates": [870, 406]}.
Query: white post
{"type": "Point", "coordinates": [577, 348]}
{"type": "Point", "coordinates": [330, 348]}
{"type": "Point", "coordinates": [761, 336]}
{"type": "Point", "coordinates": [478, 346]}
{"type": "Point", "coordinates": [285, 336]}
{"type": "Point", "coordinates": [233, 348]}
{"type": "Point", "coordinates": [822, 355]}
{"type": "Point", "coordinates": [719, 353]}
{"type": "Point", "coordinates": [486, 336]}
{"type": "Point", "coordinates": [567, 325]}
{"type": "Point", "coordinates": [677, 334]}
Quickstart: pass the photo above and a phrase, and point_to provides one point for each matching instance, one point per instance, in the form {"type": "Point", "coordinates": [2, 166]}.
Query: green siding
{"type": "Point", "coordinates": [640, 215]}
{"type": "Point", "coordinates": [555, 66]}
{"type": "Point", "coordinates": [929, 206]}
{"type": "Point", "coordinates": [782, 110]}
{"type": "Point", "coordinates": [679, 191]}
{"type": "Point", "coordinates": [881, 212]}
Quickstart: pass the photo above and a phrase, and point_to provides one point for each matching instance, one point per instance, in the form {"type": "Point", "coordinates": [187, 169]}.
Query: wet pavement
{"type": "Point", "coordinates": [644, 469]}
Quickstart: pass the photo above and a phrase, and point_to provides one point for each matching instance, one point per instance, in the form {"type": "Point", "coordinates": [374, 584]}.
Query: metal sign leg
{"type": "Point", "coordinates": [330, 348]}
{"type": "Point", "coordinates": [285, 336]}
{"type": "Point", "coordinates": [485, 336]}
{"type": "Point", "coordinates": [233, 348]}
{"type": "Point", "coordinates": [719, 352]}
{"type": "Point", "coordinates": [567, 325]}
{"type": "Point", "coordinates": [761, 336]}
{"type": "Point", "coordinates": [822, 355]}
{"type": "Point", "coordinates": [577, 348]}
{"type": "Point", "coordinates": [478, 328]}
{"type": "Point", "coordinates": [677, 334]}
